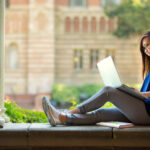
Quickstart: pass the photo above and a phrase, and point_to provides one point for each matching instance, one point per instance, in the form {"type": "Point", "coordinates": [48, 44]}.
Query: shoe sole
{"type": "Point", "coordinates": [46, 107]}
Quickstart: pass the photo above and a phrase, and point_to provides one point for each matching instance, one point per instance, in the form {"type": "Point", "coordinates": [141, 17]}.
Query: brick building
{"type": "Point", "coordinates": [60, 41]}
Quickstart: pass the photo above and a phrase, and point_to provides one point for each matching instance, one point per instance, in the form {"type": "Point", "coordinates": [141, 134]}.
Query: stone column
{"type": "Point", "coordinates": [41, 47]}
{"type": "Point", "coordinates": [3, 117]}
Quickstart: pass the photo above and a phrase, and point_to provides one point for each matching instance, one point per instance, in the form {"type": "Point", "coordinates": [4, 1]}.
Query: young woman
{"type": "Point", "coordinates": [127, 108]}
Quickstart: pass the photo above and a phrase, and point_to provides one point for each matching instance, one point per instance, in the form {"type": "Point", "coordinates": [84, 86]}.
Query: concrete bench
{"type": "Point", "coordinates": [39, 136]}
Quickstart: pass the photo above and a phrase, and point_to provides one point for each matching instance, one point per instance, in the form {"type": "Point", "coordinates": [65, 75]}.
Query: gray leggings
{"type": "Point", "coordinates": [127, 109]}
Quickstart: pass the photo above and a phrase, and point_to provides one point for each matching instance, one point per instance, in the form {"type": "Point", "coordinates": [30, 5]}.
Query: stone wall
{"type": "Point", "coordinates": [31, 29]}
{"type": "Point", "coordinates": [125, 51]}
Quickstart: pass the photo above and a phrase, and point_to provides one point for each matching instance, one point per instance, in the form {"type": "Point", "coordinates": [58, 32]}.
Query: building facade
{"type": "Point", "coordinates": [60, 41]}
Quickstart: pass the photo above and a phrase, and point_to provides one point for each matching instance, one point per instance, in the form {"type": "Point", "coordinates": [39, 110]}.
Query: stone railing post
{"type": "Point", "coordinates": [3, 117]}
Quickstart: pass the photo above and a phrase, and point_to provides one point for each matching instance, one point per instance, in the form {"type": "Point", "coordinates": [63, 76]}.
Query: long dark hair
{"type": "Point", "coordinates": [145, 58]}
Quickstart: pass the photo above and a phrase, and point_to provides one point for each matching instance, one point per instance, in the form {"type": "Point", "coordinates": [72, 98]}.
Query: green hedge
{"type": "Point", "coordinates": [19, 115]}
{"type": "Point", "coordinates": [66, 93]}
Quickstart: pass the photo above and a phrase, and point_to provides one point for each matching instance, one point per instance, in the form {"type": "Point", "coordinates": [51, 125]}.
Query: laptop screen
{"type": "Point", "coordinates": [108, 72]}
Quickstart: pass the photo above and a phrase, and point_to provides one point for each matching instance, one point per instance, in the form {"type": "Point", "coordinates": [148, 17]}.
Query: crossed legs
{"type": "Point", "coordinates": [127, 109]}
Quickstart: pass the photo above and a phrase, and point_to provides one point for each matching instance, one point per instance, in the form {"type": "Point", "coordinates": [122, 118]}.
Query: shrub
{"type": "Point", "coordinates": [106, 105]}
{"type": "Point", "coordinates": [66, 93]}
{"type": "Point", "coordinates": [89, 89]}
{"type": "Point", "coordinates": [74, 94]}
{"type": "Point", "coordinates": [137, 86]}
{"type": "Point", "coordinates": [18, 115]}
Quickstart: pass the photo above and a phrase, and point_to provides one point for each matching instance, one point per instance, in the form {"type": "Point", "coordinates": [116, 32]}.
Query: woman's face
{"type": "Point", "coordinates": [146, 45]}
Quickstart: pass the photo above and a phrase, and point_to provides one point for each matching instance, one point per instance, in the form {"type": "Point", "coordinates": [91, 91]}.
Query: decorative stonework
{"type": "Point", "coordinates": [16, 23]}
{"type": "Point", "coordinates": [41, 1]}
{"type": "Point", "coordinates": [41, 22]}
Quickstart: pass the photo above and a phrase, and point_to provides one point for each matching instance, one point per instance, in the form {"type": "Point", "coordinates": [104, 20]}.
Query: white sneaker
{"type": "Point", "coordinates": [51, 112]}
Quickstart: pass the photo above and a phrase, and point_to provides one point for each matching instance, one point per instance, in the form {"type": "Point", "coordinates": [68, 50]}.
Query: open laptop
{"type": "Point", "coordinates": [111, 78]}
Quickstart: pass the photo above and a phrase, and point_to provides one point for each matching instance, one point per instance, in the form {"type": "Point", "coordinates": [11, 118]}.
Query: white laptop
{"type": "Point", "coordinates": [111, 78]}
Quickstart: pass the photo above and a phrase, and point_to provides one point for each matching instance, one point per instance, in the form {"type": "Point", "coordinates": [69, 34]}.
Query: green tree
{"type": "Point", "coordinates": [133, 16]}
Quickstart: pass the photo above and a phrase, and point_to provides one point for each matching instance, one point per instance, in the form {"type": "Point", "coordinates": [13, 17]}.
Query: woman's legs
{"type": "Point", "coordinates": [95, 102]}
{"type": "Point", "coordinates": [91, 103]}
{"type": "Point", "coordinates": [128, 108]}
{"type": "Point", "coordinates": [102, 114]}
{"type": "Point", "coordinates": [132, 108]}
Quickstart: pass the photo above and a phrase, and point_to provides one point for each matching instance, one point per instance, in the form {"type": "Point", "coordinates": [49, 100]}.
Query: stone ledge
{"type": "Point", "coordinates": [43, 135]}
{"type": "Point", "coordinates": [14, 134]}
{"type": "Point", "coordinates": [69, 136]}
{"type": "Point", "coordinates": [132, 137]}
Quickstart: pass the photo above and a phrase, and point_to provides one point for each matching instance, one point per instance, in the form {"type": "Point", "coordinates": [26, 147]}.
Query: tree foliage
{"type": "Point", "coordinates": [133, 16]}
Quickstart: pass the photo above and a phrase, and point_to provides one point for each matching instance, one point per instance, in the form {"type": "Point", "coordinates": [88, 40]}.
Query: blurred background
{"type": "Point", "coordinates": [52, 47]}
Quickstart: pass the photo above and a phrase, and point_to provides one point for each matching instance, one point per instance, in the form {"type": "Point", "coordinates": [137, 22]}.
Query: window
{"type": "Point", "coordinates": [102, 24]}
{"type": "Point", "coordinates": [12, 57]}
{"type": "Point", "coordinates": [76, 24]}
{"type": "Point", "coordinates": [105, 2]}
{"type": "Point", "coordinates": [110, 52]}
{"type": "Point", "coordinates": [78, 59]}
{"type": "Point", "coordinates": [111, 25]}
{"type": "Point", "coordinates": [94, 57]}
{"type": "Point", "coordinates": [67, 25]}
{"type": "Point", "coordinates": [85, 24]}
{"type": "Point", "coordinates": [77, 3]}
{"type": "Point", "coordinates": [93, 24]}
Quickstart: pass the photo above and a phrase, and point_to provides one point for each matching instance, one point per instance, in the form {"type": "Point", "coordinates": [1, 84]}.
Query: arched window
{"type": "Point", "coordinates": [15, 23]}
{"type": "Point", "coordinates": [67, 25]}
{"type": "Point", "coordinates": [12, 56]}
{"type": "Point", "coordinates": [102, 24]}
{"type": "Point", "coordinates": [111, 25]}
{"type": "Point", "coordinates": [93, 24]}
{"type": "Point", "coordinates": [24, 23]}
{"type": "Point", "coordinates": [85, 24]}
{"type": "Point", "coordinates": [76, 24]}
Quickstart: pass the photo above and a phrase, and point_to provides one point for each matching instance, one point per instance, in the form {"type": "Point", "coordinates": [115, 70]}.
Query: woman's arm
{"type": "Point", "coordinates": [146, 94]}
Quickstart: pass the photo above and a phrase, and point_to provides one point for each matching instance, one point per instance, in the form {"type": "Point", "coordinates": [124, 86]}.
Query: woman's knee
{"type": "Point", "coordinates": [108, 88]}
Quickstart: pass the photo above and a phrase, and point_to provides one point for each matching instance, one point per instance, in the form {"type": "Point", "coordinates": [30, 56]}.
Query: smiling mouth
{"type": "Point", "coordinates": [148, 50]}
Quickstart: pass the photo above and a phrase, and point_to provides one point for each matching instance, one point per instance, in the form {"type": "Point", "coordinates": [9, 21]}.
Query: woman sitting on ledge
{"type": "Point", "coordinates": [128, 108]}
